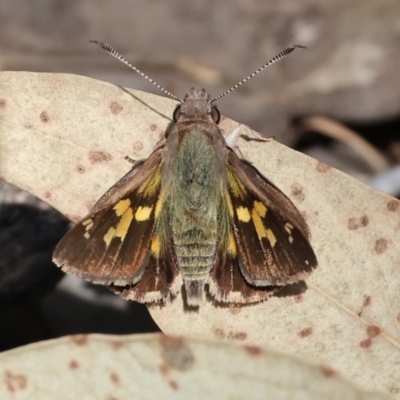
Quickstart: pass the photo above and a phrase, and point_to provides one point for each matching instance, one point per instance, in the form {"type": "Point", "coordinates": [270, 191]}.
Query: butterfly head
{"type": "Point", "coordinates": [196, 106]}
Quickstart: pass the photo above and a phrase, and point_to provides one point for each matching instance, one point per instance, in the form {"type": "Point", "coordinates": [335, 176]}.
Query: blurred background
{"type": "Point", "coordinates": [338, 101]}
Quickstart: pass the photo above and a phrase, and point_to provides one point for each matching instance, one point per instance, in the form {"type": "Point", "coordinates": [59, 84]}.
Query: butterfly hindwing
{"type": "Point", "coordinates": [161, 278]}
{"type": "Point", "coordinates": [226, 283]}
{"type": "Point", "coordinates": [112, 244]}
{"type": "Point", "coordinates": [272, 249]}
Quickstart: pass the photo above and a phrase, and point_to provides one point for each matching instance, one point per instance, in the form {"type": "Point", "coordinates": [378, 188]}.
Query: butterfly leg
{"type": "Point", "coordinates": [230, 140]}
{"type": "Point", "coordinates": [134, 162]}
{"type": "Point", "coordinates": [131, 160]}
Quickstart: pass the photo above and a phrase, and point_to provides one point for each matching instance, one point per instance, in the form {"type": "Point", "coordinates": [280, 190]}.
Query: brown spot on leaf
{"type": "Point", "coordinates": [96, 157]}
{"type": "Point", "coordinates": [380, 245]}
{"type": "Point", "coordinates": [306, 332]}
{"type": "Point", "coordinates": [327, 371]}
{"type": "Point", "coordinates": [298, 298]}
{"type": "Point", "coordinates": [153, 127]}
{"type": "Point", "coordinates": [137, 146]}
{"type": "Point", "coordinates": [393, 205]}
{"type": "Point", "coordinates": [297, 191]}
{"type": "Point", "coordinates": [237, 335]}
{"type": "Point", "coordinates": [367, 301]}
{"type": "Point", "coordinates": [219, 333]}
{"type": "Point", "coordinates": [355, 223]}
{"type": "Point", "coordinates": [253, 350]}
{"type": "Point", "coordinates": [115, 107]}
{"type": "Point", "coordinates": [15, 382]}
{"type": "Point", "coordinates": [373, 331]}
{"type": "Point", "coordinates": [3, 103]}
{"type": "Point", "coordinates": [47, 195]}
{"type": "Point", "coordinates": [394, 390]}
{"type": "Point", "coordinates": [164, 369]}
{"type": "Point", "coordinates": [117, 344]}
{"type": "Point", "coordinates": [114, 378]}
{"type": "Point", "coordinates": [44, 117]}
{"type": "Point", "coordinates": [173, 384]}
{"type": "Point", "coordinates": [321, 167]}
{"type": "Point", "coordinates": [234, 310]}
{"type": "Point", "coordinates": [366, 343]}
{"type": "Point", "coordinates": [176, 353]}
{"type": "Point", "coordinates": [398, 317]}
{"type": "Point", "coordinates": [80, 340]}
{"type": "Point", "coordinates": [73, 364]}
{"type": "Point", "coordinates": [80, 168]}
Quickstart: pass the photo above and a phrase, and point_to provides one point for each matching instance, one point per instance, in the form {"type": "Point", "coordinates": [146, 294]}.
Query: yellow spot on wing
{"type": "Point", "coordinates": [237, 187]}
{"type": "Point", "coordinates": [151, 184]}
{"type": "Point", "coordinates": [122, 206]}
{"type": "Point", "coordinates": [243, 214]}
{"type": "Point", "coordinates": [288, 227]}
{"type": "Point", "coordinates": [108, 236]}
{"type": "Point", "coordinates": [124, 223]}
{"type": "Point", "coordinates": [229, 203]}
{"type": "Point", "coordinates": [232, 245]}
{"type": "Point", "coordinates": [155, 246]}
{"type": "Point", "coordinates": [87, 222]}
{"type": "Point", "coordinates": [262, 231]}
{"type": "Point", "coordinates": [260, 208]}
{"type": "Point", "coordinates": [143, 213]}
{"type": "Point", "coordinates": [258, 224]}
{"type": "Point", "coordinates": [271, 237]}
{"type": "Point", "coordinates": [159, 205]}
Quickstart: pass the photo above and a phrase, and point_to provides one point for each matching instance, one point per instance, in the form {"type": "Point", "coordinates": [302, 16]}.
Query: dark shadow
{"type": "Point", "coordinates": [32, 308]}
{"type": "Point", "coordinates": [167, 117]}
{"type": "Point", "coordinates": [294, 289]}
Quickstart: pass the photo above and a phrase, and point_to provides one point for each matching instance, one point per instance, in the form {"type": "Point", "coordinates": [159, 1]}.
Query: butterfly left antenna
{"type": "Point", "coordinates": [118, 56]}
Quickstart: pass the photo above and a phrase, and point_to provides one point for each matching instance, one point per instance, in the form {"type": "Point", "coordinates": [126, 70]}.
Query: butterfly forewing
{"type": "Point", "coordinates": [272, 249]}
{"type": "Point", "coordinates": [112, 244]}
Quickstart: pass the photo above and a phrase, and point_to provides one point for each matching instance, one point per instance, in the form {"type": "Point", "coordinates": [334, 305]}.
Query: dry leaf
{"type": "Point", "coordinates": [64, 139]}
{"type": "Point", "coordinates": [159, 367]}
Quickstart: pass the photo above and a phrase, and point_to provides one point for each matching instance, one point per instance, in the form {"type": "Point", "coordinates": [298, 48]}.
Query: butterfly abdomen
{"type": "Point", "coordinates": [194, 213]}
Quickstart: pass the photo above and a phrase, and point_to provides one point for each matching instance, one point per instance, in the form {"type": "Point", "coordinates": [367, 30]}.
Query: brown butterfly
{"type": "Point", "coordinates": [193, 214]}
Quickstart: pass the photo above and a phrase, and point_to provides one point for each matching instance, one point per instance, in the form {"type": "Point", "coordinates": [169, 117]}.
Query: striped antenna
{"type": "Point", "coordinates": [118, 56]}
{"type": "Point", "coordinates": [278, 57]}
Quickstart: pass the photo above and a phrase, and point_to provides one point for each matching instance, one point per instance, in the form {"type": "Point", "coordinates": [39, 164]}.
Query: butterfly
{"type": "Point", "coordinates": [195, 215]}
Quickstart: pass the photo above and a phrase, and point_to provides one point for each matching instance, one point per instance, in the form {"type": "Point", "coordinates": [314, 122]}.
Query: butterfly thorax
{"type": "Point", "coordinates": [195, 184]}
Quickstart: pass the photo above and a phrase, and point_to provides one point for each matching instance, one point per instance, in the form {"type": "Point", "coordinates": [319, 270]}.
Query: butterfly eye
{"type": "Point", "coordinates": [177, 113]}
{"type": "Point", "coordinates": [215, 115]}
